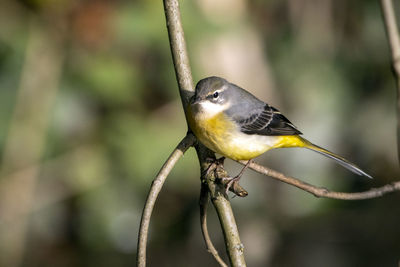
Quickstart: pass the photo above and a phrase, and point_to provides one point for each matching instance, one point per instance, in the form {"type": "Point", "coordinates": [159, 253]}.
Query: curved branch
{"type": "Point", "coordinates": [204, 199]}
{"type": "Point", "coordinates": [186, 90]}
{"type": "Point", "coordinates": [212, 171]}
{"type": "Point", "coordinates": [234, 246]}
{"type": "Point", "coordinates": [321, 191]}
{"type": "Point", "coordinates": [155, 189]}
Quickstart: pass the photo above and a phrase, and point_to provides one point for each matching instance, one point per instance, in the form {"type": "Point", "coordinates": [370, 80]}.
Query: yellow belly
{"type": "Point", "coordinates": [213, 132]}
{"type": "Point", "coordinates": [221, 135]}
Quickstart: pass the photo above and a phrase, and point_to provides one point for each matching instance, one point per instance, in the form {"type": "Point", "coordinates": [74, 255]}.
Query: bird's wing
{"type": "Point", "coordinates": [267, 121]}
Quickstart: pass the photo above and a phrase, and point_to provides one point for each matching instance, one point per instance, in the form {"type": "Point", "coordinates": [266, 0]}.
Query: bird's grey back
{"type": "Point", "coordinates": [243, 103]}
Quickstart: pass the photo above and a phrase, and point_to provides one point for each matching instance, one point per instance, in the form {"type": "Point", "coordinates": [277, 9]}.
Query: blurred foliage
{"type": "Point", "coordinates": [117, 116]}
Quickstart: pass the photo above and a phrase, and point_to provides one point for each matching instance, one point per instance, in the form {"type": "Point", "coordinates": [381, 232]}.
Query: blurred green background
{"type": "Point", "coordinates": [89, 111]}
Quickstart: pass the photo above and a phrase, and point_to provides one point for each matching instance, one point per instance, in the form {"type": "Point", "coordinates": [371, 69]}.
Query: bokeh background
{"type": "Point", "coordinates": [89, 111]}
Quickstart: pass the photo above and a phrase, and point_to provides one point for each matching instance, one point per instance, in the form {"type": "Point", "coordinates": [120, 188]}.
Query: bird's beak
{"type": "Point", "coordinates": [195, 100]}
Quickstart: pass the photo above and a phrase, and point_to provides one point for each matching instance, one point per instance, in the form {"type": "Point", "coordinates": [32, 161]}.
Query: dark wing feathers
{"type": "Point", "coordinates": [268, 121]}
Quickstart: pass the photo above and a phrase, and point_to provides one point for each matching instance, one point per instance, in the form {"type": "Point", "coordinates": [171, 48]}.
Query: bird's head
{"type": "Point", "coordinates": [211, 96]}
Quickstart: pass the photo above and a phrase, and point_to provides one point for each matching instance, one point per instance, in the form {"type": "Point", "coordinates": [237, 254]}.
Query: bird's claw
{"type": "Point", "coordinates": [230, 183]}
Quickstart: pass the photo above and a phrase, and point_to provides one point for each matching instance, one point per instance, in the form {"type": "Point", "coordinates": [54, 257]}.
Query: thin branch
{"type": "Point", "coordinates": [178, 50]}
{"type": "Point", "coordinates": [234, 246]}
{"type": "Point", "coordinates": [186, 89]}
{"type": "Point", "coordinates": [204, 199]}
{"type": "Point", "coordinates": [155, 189]}
{"type": "Point", "coordinates": [392, 32]}
{"type": "Point", "coordinates": [323, 192]}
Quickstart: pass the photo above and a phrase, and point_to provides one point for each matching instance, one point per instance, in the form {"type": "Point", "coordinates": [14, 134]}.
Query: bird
{"type": "Point", "coordinates": [232, 122]}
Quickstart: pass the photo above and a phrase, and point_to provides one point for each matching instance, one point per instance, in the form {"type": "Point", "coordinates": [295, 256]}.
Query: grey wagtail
{"type": "Point", "coordinates": [234, 123]}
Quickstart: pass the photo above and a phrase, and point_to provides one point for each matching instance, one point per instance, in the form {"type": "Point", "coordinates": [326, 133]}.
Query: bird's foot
{"type": "Point", "coordinates": [231, 183]}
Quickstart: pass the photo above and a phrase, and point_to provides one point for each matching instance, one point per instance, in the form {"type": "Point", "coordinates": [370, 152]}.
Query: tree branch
{"type": "Point", "coordinates": [234, 246]}
{"type": "Point", "coordinates": [178, 50]}
{"type": "Point", "coordinates": [394, 42]}
{"type": "Point", "coordinates": [323, 192]}
{"type": "Point", "coordinates": [155, 189]}
{"type": "Point", "coordinates": [186, 90]}
{"type": "Point", "coordinates": [204, 199]}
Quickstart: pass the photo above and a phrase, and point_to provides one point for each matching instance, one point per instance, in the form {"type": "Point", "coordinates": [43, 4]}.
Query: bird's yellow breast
{"type": "Point", "coordinates": [213, 132]}
{"type": "Point", "coordinates": [222, 135]}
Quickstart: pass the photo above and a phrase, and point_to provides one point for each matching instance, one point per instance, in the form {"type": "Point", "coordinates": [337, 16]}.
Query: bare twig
{"type": "Point", "coordinates": [186, 90]}
{"type": "Point", "coordinates": [323, 192]}
{"type": "Point", "coordinates": [394, 42]}
{"type": "Point", "coordinates": [178, 50]}
{"type": "Point", "coordinates": [234, 246]}
{"type": "Point", "coordinates": [211, 173]}
{"type": "Point", "coordinates": [153, 193]}
{"type": "Point", "coordinates": [204, 199]}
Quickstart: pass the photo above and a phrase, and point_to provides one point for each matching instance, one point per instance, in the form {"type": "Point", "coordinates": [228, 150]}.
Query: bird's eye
{"type": "Point", "coordinates": [215, 95]}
